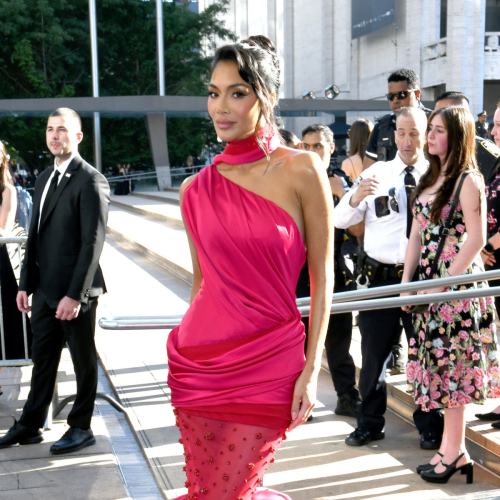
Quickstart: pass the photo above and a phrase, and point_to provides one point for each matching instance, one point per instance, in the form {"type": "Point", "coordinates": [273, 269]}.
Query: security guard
{"type": "Point", "coordinates": [381, 200]}
{"type": "Point", "coordinates": [487, 152]}
{"type": "Point", "coordinates": [482, 125]}
{"type": "Point", "coordinates": [404, 91]}
{"type": "Point", "coordinates": [319, 138]}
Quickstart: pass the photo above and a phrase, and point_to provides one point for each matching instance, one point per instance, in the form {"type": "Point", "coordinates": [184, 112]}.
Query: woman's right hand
{"type": "Point", "coordinates": [487, 258]}
{"type": "Point", "coordinates": [406, 294]}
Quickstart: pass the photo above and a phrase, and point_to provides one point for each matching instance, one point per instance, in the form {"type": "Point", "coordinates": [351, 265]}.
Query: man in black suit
{"type": "Point", "coordinates": [61, 270]}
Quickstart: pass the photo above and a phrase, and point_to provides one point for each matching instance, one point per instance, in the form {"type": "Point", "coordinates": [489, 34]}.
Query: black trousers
{"type": "Point", "coordinates": [49, 337]}
{"type": "Point", "coordinates": [379, 330]}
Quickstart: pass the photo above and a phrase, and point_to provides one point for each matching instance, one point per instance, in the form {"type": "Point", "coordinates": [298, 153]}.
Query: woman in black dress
{"type": "Point", "coordinates": [12, 318]}
{"type": "Point", "coordinates": [490, 254]}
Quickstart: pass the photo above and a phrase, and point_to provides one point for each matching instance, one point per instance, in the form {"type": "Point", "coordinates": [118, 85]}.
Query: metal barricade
{"type": "Point", "coordinates": [344, 302]}
{"type": "Point", "coordinates": [179, 173]}
{"type": "Point", "coordinates": [19, 241]}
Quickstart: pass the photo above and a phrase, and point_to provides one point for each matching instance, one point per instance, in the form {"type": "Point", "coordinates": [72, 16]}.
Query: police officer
{"type": "Point", "coordinates": [487, 152]}
{"type": "Point", "coordinates": [482, 125]}
{"type": "Point", "coordinates": [381, 199]}
{"type": "Point", "coordinates": [319, 138]}
{"type": "Point", "coordinates": [404, 91]}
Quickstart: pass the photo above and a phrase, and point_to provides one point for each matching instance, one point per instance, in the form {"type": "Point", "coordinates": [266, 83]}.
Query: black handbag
{"type": "Point", "coordinates": [444, 232]}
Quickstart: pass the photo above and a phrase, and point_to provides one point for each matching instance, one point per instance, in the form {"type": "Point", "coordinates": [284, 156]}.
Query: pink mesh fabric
{"type": "Point", "coordinates": [226, 461]}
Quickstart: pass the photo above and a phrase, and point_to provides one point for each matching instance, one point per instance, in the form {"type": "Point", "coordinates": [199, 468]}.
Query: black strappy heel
{"type": "Point", "coordinates": [431, 476]}
{"type": "Point", "coordinates": [428, 465]}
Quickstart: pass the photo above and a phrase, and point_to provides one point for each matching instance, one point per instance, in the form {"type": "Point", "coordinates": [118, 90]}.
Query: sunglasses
{"type": "Point", "coordinates": [402, 94]}
{"type": "Point", "coordinates": [393, 202]}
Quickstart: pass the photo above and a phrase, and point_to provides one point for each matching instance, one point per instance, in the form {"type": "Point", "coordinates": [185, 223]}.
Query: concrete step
{"type": "Point", "coordinates": [151, 207]}
{"type": "Point", "coordinates": [170, 196]}
{"type": "Point", "coordinates": [483, 441]}
{"type": "Point", "coordinates": [164, 243]}
{"type": "Point", "coordinates": [167, 245]}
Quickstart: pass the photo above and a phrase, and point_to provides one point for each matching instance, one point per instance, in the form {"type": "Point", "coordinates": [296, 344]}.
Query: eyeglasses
{"type": "Point", "coordinates": [393, 201]}
{"type": "Point", "coordinates": [402, 94]}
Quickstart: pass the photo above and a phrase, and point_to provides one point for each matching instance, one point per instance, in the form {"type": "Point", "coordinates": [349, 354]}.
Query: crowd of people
{"type": "Point", "coordinates": [275, 219]}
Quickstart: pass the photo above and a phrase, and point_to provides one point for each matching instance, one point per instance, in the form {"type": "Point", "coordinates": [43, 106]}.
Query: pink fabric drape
{"type": "Point", "coordinates": [241, 341]}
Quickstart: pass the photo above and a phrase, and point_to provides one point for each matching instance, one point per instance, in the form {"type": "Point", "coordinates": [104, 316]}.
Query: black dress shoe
{"type": "Point", "coordinates": [74, 439]}
{"type": "Point", "coordinates": [495, 425]}
{"type": "Point", "coordinates": [491, 416]}
{"type": "Point", "coordinates": [347, 405]}
{"type": "Point", "coordinates": [21, 434]}
{"type": "Point", "coordinates": [430, 442]}
{"type": "Point", "coordinates": [361, 436]}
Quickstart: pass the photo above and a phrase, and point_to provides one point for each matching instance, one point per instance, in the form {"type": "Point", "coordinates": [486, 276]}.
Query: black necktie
{"type": "Point", "coordinates": [50, 193]}
{"type": "Point", "coordinates": [409, 187]}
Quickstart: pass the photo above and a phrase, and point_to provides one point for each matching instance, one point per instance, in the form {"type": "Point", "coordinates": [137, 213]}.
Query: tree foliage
{"type": "Point", "coordinates": [45, 52]}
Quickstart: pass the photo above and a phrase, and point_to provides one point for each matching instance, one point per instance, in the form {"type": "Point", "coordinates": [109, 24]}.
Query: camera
{"type": "Point", "coordinates": [334, 169]}
{"type": "Point", "coordinates": [382, 206]}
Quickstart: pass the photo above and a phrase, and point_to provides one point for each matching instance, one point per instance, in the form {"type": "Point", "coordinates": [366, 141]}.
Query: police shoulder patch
{"type": "Point", "coordinates": [491, 147]}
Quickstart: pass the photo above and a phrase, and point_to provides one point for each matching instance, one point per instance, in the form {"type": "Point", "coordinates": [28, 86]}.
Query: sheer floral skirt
{"type": "Point", "coordinates": [226, 460]}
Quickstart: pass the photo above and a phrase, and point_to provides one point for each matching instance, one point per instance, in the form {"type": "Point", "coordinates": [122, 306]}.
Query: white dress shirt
{"type": "Point", "coordinates": [62, 170]}
{"type": "Point", "coordinates": [385, 237]}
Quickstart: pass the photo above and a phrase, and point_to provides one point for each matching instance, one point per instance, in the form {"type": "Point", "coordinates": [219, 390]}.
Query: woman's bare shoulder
{"type": "Point", "coordinates": [302, 166]}
{"type": "Point", "coordinates": [185, 183]}
{"type": "Point", "coordinates": [8, 192]}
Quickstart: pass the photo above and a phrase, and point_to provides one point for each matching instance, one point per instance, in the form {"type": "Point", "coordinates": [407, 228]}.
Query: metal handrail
{"type": "Point", "coordinates": [414, 286]}
{"type": "Point", "coordinates": [338, 307]}
{"type": "Point", "coordinates": [150, 174]}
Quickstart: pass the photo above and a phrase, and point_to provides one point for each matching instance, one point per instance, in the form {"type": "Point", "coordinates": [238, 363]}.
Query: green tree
{"type": "Point", "coordinates": [45, 52]}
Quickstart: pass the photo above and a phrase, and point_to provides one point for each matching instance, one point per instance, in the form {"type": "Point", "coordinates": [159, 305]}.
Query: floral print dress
{"type": "Point", "coordinates": [452, 358]}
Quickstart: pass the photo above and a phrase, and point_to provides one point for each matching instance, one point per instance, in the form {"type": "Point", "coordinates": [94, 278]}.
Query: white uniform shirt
{"type": "Point", "coordinates": [62, 170]}
{"type": "Point", "coordinates": [385, 237]}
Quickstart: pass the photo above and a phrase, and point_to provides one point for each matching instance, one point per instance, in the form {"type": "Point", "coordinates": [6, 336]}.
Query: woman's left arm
{"type": "Point", "coordinates": [314, 192]}
{"type": "Point", "coordinates": [473, 203]}
{"type": "Point", "coordinates": [8, 210]}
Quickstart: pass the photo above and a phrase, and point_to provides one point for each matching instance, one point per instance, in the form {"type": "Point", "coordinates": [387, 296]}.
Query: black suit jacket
{"type": "Point", "coordinates": [62, 255]}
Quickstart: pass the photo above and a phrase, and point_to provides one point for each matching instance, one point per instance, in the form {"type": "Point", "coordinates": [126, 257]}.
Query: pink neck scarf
{"type": "Point", "coordinates": [248, 150]}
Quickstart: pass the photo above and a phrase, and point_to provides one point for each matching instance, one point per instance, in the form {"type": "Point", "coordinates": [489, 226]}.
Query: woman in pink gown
{"type": "Point", "coordinates": [237, 373]}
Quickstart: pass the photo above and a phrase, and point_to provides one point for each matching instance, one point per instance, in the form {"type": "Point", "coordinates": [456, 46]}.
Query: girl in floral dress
{"type": "Point", "coordinates": [452, 360]}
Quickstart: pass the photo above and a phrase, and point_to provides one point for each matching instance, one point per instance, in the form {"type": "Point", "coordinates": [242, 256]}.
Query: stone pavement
{"type": "Point", "coordinates": [32, 472]}
{"type": "Point", "coordinates": [314, 463]}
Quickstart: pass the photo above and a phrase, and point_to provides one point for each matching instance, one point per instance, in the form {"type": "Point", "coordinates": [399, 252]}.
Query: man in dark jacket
{"type": "Point", "coordinates": [61, 270]}
{"type": "Point", "coordinates": [404, 92]}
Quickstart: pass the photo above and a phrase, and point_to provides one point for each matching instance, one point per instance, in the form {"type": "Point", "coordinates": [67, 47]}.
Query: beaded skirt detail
{"type": "Point", "coordinates": [226, 460]}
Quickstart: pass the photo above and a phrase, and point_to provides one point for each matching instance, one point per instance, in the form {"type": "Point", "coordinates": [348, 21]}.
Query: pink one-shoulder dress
{"type": "Point", "coordinates": [234, 359]}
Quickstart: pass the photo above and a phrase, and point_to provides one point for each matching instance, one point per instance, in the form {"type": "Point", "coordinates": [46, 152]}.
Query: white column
{"type": "Point", "coordinates": [160, 48]}
{"type": "Point", "coordinates": [95, 84]}
{"type": "Point", "coordinates": [465, 50]}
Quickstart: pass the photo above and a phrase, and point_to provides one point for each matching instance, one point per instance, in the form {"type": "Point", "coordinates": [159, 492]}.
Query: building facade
{"type": "Point", "coordinates": [452, 45]}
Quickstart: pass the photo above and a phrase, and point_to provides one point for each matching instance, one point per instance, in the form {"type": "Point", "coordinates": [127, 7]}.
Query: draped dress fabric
{"type": "Point", "coordinates": [234, 359]}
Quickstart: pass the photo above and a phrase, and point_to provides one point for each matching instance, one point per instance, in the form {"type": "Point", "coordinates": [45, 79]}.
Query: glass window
{"type": "Point", "coordinates": [492, 15]}
{"type": "Point", "coordinates": [443, 18]}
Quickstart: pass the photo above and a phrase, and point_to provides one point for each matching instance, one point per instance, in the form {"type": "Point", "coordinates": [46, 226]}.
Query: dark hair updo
{"type": "Point", "coordinates": [258, 65]}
